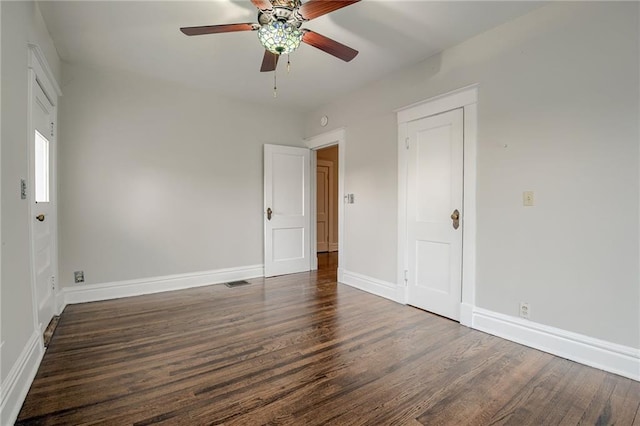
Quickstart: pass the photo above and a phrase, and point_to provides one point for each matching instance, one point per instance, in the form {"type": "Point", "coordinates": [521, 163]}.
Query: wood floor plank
{"type": "Point", "coordinates": [612, 403]}
{"type": "Point", "coordinates": [474, 399]}
{"type": "Point", "coordinates": [393, 380]}
{"type": "Point", "coordinates": [303, 349]}
{"type": "Point", "coordinates": [336, 385]}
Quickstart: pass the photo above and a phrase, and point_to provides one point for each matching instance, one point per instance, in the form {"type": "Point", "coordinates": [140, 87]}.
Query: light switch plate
{"type": "Point", "coordinates": [527, 198]}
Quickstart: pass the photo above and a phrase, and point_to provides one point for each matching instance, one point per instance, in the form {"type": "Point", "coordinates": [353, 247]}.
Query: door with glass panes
{"type": "Point", "coordinates": [41, 194]}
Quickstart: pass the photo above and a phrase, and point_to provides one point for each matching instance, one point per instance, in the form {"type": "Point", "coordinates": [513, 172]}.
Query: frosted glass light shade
{"type": "Point", "coordinates": [279, 37]}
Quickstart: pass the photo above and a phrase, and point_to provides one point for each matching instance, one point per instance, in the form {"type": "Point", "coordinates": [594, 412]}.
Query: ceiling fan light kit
{"type": "Point", "coordinates": [279, 31]}
{"type": "Point", "coordinates": [280, 37]}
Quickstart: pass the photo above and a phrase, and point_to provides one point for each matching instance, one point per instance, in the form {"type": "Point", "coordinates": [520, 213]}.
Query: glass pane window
{"type": "Point", "coordinates": [42, 169]}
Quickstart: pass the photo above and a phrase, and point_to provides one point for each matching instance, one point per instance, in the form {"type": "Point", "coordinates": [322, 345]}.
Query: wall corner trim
{"type": "Point", "coordinates": [15, 386]}
{"type": "Point", "coordinates": [371, 285]}
{"type": "Point", "coordinates": [118, 289]}
{"type": "Point", "coordinates": [607, 356]}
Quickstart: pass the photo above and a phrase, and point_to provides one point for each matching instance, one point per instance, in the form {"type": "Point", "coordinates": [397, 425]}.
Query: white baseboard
{"type": "Point", "coordinates": [371, 285]}
{"type": "Point", "coordinates": [15, 386]}
{"type": "Point", "coordinates": [115, 290]}
{"type": "Point", "coordinates": [60, 303]}
{"type": "Point", "coordinates": [466, 314]}
{"type": "Point", "coordinates": [607, 356]}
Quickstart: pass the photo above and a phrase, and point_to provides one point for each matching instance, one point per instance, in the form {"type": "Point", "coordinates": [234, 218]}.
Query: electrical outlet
{"type": "Point", "coordinates": [527, 198]}
{"type": "Point", "coordinates": [78, 276]}
{"type": "Point", "coordinates": [524, 310]}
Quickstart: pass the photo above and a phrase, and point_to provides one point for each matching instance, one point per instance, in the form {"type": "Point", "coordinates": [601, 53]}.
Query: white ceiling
{"type": "Point", "coordinates": [143, 37]}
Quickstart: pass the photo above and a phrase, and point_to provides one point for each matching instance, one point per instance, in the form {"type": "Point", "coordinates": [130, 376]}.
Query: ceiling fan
{"type": "Point", "coordinates": [279, 31]}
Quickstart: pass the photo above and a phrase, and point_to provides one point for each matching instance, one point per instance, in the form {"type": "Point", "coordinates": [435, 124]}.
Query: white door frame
{"type": "Point", "coordinates": [40, 74]}
{"type": "Point", "coordinates": [324, 140]}
{"type": "Point", "coordinates": [466, 98]}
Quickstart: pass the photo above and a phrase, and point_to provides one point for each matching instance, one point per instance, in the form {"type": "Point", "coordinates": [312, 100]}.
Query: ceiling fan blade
{"type": "Point", "coordinates": [314, 8]}
{"type": "Point", "coordinates": [215, 29]}
{"type": "Point", "coordinates": [269, 61]}
{"type": "Point", "coordinates": [262, 4]}
{"type": "Point", "coordinates": [328, 45]}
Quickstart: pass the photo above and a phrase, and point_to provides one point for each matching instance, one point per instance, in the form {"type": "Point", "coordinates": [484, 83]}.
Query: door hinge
{"type": "Point", "coordinates": [53, 283]}
{"type": "Point", "coordinates": [406, 277]}
{"type": "Point", "coordinates": [52, 129]}
{"type": "Point", "coordinates": [23, 189]}
{"type": "Point", "coordinates": [406, 143]}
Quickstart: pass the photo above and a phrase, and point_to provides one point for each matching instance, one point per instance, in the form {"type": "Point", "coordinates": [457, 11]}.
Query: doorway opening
{"type": "Point", "coordinates": [327, 199]}
{"type": "Point", "coordinates": [327, 267]}
{"type": "Point", "coordinates": [327, 178]}
{"type": "Point", "coordinates": [335, 143]}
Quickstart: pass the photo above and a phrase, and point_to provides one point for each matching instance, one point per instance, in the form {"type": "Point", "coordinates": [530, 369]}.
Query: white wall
{"type": "Point", "coordinates": [371, 221]}
{"type": "Point", "coordinates": [157, 179]}
{"type": "Point", "coordinates": [21, 23]}
{"type": "Point", "coordinates": [559, 87]}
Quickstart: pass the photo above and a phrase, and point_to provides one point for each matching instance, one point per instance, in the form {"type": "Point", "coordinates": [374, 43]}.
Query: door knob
{"type": "Point", "coordinates": [455, 217]}
{"type": "Point", "coordinates": [269, 212]}
{"type": "Point", "coordinates": [40, 217]}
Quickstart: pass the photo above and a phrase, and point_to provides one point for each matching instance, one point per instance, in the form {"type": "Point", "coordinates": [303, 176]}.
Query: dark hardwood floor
{"type": "Point", "coordinates": [303, 350]}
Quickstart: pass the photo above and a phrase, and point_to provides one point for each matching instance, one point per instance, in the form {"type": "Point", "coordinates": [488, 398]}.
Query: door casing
{"type": "Point", "coordinates": [466, 98]}
{"type": "Point", "coordinates": [324, 140]}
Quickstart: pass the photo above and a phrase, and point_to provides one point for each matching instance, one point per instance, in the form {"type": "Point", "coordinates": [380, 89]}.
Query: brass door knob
{"type": "Point", "coordinates": [40, 217]}
{"type": "Point", "coordinates": [455, 217]}
{"type": "Point", "coordinates": [269, 213]}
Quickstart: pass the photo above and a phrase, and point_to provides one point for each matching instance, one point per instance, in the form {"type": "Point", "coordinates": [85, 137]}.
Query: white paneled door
{"type": "Point", "coordinates": [43, 222]}
{"type": "Point", "coordinates": [434, 213]}
{"type": "Point", "coordinates": [286, 210]}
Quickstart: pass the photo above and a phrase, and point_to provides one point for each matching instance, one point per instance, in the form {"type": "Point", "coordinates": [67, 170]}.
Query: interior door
{"type": "Point", "coordinates": [286, 210]}
{"type": "Point", "coordinates": [43, 222]}
{"type": "Point", "coordinates": [434, 213]}
{"type": "Point", "coordinates": [322, 206]}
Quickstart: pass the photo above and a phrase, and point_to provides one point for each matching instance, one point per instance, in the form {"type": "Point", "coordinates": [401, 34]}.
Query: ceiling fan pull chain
{"type": "Point", "coordinates": [275, 86]}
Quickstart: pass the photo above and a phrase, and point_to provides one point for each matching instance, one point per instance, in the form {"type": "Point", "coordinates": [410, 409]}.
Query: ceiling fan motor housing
{"type": "Point", "coordinates": [282, 14]}
{"type": "Point", "coordinates": [291, 4]}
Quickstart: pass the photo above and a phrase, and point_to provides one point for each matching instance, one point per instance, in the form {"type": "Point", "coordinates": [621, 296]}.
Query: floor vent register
{"type": "Point", "coordinates": [233, 284]}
